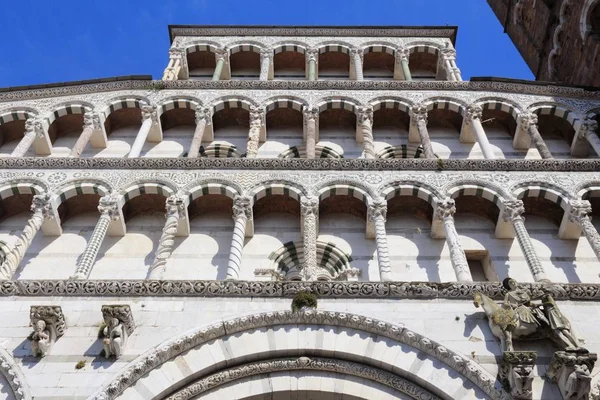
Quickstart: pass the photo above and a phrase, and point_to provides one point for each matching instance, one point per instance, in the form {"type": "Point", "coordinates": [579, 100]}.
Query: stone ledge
{"type": "Point", "coordinates": [375, 290]}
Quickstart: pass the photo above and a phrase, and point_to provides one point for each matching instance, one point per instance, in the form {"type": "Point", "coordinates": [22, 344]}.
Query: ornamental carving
{"type": "Point", "coordinates": [13, 375]}
{"type": "Point", "coordinates": [119, 326]}
{"type": "Point", "coordinates": [49, 325]}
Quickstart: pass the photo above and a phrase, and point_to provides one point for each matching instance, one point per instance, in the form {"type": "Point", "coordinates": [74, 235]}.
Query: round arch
{"type": "Point", "coordinates": [544, 190]}
{"type": "Point", "coordinates": [17, 114]}
{"type": "Point", "coordinates": [141, 188]}
{"type": "Point", "coordinates": [14, 377]}
{"type": "Point", "coordinates": [211, 186]}
{"type": "Point", "coordinates": [409, 188]}
{"type": "Point", "coordinates": [21, 186]}
{"type": "Point", "coordinates": [557, 110]}
{"type": "Point", "coordinates": [344, 103]}
{"type": "Point", "coordinates": [201, 46]}
{"type": "Point", "coordinates": [499, 104]}
{"type": "Point", "coordinates": [177, 103]}
{"type": "Point", "coordinates": [423, 47]}
{"type": "Point", "coordinates": [397, 103]}
{"type": "Point", "coordinates": [68, 109]}
{"type": "Point", "coordinates": [585, 25]}
{"type": "Point", "coordinates": [277, 187]}
{"type": "Point", "coordinates": [379, 47]}
{"type": "Point", "coordinates": [445, 103]}
{"type": "Point", "coordinates": [237, 47]}
{"type": "Point", "coordinates": [353, 189]}
{"type": "Point", "coordinates": [265, 337]}
{"type": "Point", "coordinates": [587, 190]}
{"type": "Point", "coordinates": [232, 102]}
{"type": "Point", "coordinates": [478, 189]}
{"type": "Point", "coordinates": [326, 47]}
{"type": "Point", "coordinates": [87, 186]}
{"type": "Point", "coordinates": [320, 152]}
{"type": "Point", "coordinates": [293, 46]}
{"type": "Point", "coordinates": [124, 102]}
{"type": "Point", "coordinates": [295, 103]}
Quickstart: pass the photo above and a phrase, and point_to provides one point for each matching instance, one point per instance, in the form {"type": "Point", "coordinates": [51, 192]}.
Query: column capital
{"type": "Point", "coordinates": [528, 120]}
{"type": "Point", "coordinates": [444, 209]}
{"type": "Point", "coordinates": [149, 112]}
{"type": "Point", "coordinates": [588, 127]}
{"type": "Point", "coordinates": [242, 207]}
{"type": "Point", "coordinates": [474, 111]}
{"type": "Point", "coordinates": [175, 206]}
{"type": "Point", "coordinates": [109, 205]}
{"type": "Point", "coordinates": [266, 53]}
{"type": "Point", "coordinates": [311, 113]}
{"type": "Point", "coordinates": [402, 54]}
{"type": "Point", "coordinates": [257, 116]}
{"type": "Point", "coordinates": [309, 205]}
{"type": "Point", "coordinates": [419, 113]}
{"type": "Point", "coordinates": [365, 114]}
{"type": "Point", "coordinates": [203, 113]}
{"type": "Point", "coordinates": [357, 52]}
{"type": "Point", "coordinates": [377, 209]}
{"type": "Point", "coordinates": [513, 210]}
{"type": "Point", "coordinates": [222, 54]}
{"type": "Point", "coordinates": [448, 53]}
{"type": "Point", "coordinates": [176, 52]}
{"type": "Point", "coordinates": [42, 204]}
{"type": "Point", "coordinates": [312, 54]}
{"type": "Point", "coordinates": [580, 210]}
{"type": "Point", "coordinates": [91, 119]}
{"type": "Point", "coordinates": [34, 125]}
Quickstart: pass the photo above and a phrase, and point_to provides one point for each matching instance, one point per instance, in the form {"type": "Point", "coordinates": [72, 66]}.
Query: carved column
{"type": "Point", "coordinates": [402, 57]}
{"type": "Point", "coordinates": [309, 207]}
{"type": "Point", "coordinates": [242, 212]}
{"type": "Point", "coordinates": [175, 210]}
{"type": "Point", "coordinates": [312, 57]}
{"type": "Point", "coordinates": [419, 118]}
{"type": "Point", "coordinates": [222, 56]}
{"type": "Point", "coordinates": [33, 129]}
{"type": "Point", "coordinates": [444, 212]}
{"type": "Point", "coordinates": [91, 123]}
{"type": "Point", "coordinates": [365, 118]}
{"type": "Point", "coordinates": [177, 63]}
{"type": "Point", "coordinates": [109, 211]}
{"type": "Point", "coordinates": [377, 214]}
{"type": "Point", "coordinates": [42, 209]}
{"type": "Point", "coordinates": [203, 118]}
{"type": "Point", "coordinates": [529, 123]}
{"type": "Point", "coordinates": [513, 212]}
{"type": "Point", "coordinates": [449, 63]}
{"type": "Point", "coordinates": [356, 55]}
{"type": "Point", "coordinates": [588, 131]}
{"type": "Point", "coordinates": [311, 120]}
{"type": "Point", "coordinates": [149, 117]}
{"type": "Point", "coordinates": [256, 124]}
{"type": "Point", "coordinates": [580, 214]}
{"type": "Point", "coordinates": [474, 114]}
{"type": "Point", "coordinates": [266, 59]}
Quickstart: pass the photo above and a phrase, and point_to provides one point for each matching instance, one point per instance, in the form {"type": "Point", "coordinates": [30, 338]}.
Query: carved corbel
{"type": "Point", "coordinates": [572, 373]}
{"type": "Point", "coordinates": [516, 373]}
{"type": "Point", "coordinates": [49, 325]}
{"type": "Point", "coordinates": [119, 326]}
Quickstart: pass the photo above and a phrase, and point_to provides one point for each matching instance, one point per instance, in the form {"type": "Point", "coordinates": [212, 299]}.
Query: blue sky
{"type": "Point", "coordinates": [45, 42]}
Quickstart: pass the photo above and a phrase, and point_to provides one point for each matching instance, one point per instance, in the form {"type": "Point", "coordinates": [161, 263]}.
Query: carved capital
{"type": "Point", "coordinates": [91, 119]}
{"type": "Point", "coordinates": [312, 55]}
{"type": "Point", "coordinates": [402, 54]}
{"type": "Point", "coordinates": [580, 210]}
{"type": "Point", "coordinates": [572, 373]}
{"type": "Point", "coordinates": [242, 207]}
{"type": "Point", "coordinates": [222, 54]}
{"type": "Point", "coordinates": [309, 205]}
{"type": "Point", "coordinates": [419, 113]}
{"type": "Point", "coordinates": [109, 205]}
{"type": "Point", "coordinates": [516, 372]}
{"type": "Point", "coordinates": [122, 312]}
{"type": "Point", "coordinates": [257, 116]}
{"type": "Point", "coordinates": [177, 53]}
{"type": "Point", "coordinates": [513, 210]}
{"type": "Point", "coordinates": [149, 112]}
{"type": "Point", "coordinates": [377, 209]}
{"type": "Point", "coordinates": [448, 54]}
{"type": "Point", "coordinates": [365, 114]}
{"type": "Point", "coordinates": [175, 207]}
{"type": "Point", "coordinates": [203, 114]}
{"type": "Point", "coordinates": [474, 112]}
{"type": "Point", "coordinates": [528, 120]}
{"type": "Point", "coordinates": [34, 125]}
{"type": "Point", "coordinates": [357, 52]}
{"type": "Point", "coordinates": [445, 208]}
{"type": "Point", "coordinates": [266, 53]}
{"type": "Point", "coordinates": [588, 128]}
{"type": "Point", "coordinates": [42, 204]}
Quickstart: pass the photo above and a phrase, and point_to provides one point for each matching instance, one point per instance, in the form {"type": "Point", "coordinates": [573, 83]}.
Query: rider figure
{"type": "Point", "coordinates": [521, 303]}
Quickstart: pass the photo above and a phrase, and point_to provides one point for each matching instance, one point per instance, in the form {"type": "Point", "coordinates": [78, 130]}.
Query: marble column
{"type": "Point", "coordinates": [257, 116]}
{"type": "Point", "coordinates": [149, 117]}
{"type": "Point", "coordinates": [311, 120]}
{"type": "Point", "coordinates": [221, 56]}
{"type": "Point", "coordinates": [309, 207]}
{"type": "Point", "coordinates": [356, 55]}
{"type": "Point", "coordinates": [266, 59]}
{"type": "Point", "coordinates": [419, 118]}
{"type": "Point", "coordinates": [529, 122]}
{"type": "Point", "coordinates": [377, 214]}
{"type": "Point", "coordinates": [588, 132]}
{"type": "Point", "coordinates": [91, 123]}
{"type": "Point", "coordinates": [513, 212]}
{"type": "Point", "coordinates": [42, 209]}
{"type": "Point", "coordinates": [312, 57]}
{"type": "Point", "coordinates": [444, 212]}
{"type": "Point", "coordinates": [365, 118]}
{"type": "Point", "coordinates": [175, 210]}
{"type": "Point", "coordinates": [33, 129]}
{"type": "Point", "coordinates": [473, 118]}
{"type": "Point", "coordinates": [109, 211]}
{"type": "Point", "coordinates": [402, 57]}
{"type": "Point", "coordinates": [449, 63]}
{"type": "Point", "coordinates": [580, 214]}
{"type": "Point", "coordinates": [177, 65]}
{"type": "Point", "coordinates": [242, 212]}
{"type": "Point", "coordinates": [203, 118]}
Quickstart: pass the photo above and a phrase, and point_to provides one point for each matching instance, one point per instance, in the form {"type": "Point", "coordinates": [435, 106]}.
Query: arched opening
{"type": "Point", "coordinates": [334, 63]}
{"type": "Point", "coordinates": [391, 123]}
{"type": "Point", "coordinates": [594, 18]}
{"type": "Point", "coordinates": [64, 132]}
{"type": "Point", "coordinates": [14, 213]}
{"type": "Point", "coordinates": [500, 125]}
{"type": "Point", "coordinates": [245, 64]}
{"type": "Point", "coordinates": [230, 127]}
{"type": "Point", "coordinates": [201, 62]}
{"type": "Point", "coordinates": [379, 63]}
{"type": "Point", "coordinates": [557, 133]}
{"type": "Point", "coordinates": [424, 63]}
{"type": "Point", "coordinates": [122, 126]}
{"type": "Point", "coordinates": [337, 129]}
{"type": "Point", "coordinates": [444, 126]}
{"type": "Point", "coordinates": [11, 134]}
{"type": "Point", "coordinates": [178, 126]}
{"type": "Point", "coordinates": [284, 130]}
{"type": "Point", "coordinates": [289, 63]}
{"type": "Point", "coordinates": [204, 253]}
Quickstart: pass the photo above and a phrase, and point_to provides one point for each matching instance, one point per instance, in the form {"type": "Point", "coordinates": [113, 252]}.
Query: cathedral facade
{"type": "Point", "coordinates": [300, 212]}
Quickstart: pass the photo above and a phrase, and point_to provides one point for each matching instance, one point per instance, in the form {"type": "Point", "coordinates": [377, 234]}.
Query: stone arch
{"type": "Point", "coordinates": [424, 59]}
{"type": "Point", "coordinates": [289, 45]}
{"type": "Point", "coordinates": [420, 46]}
{"type": "Point", "coordinates": [124, 103]}
{"type": "Point", "coordinates": [344, 103]}
{"type": "Point", "coordinates": [320, 152]}
{"type": "Point", "coordinates": [403, 151]}
{"type": "Point", "coordinates": [195, 46]}
{"type": "Point", "coordinates": [484, 190]}
{"type": "Point", "coordinates": [410, 188]}
{"type": "Point", "coordinates": [212, 186]}
{"type": "Point", "coordinates": [17, 114]}
{"type": "Point", "coordinates": [222, 103]}
{"type": "Point", "coordinates": [14, 377]}
{"type": "Point", "coordinates": [83, 186]}
{"type": "Point", "coordinates": [15, 118]}
{"type": "Point", "coordinates": [395, 348]}
{"type": "Point", "coordinates": [220, 150]}
{"type": "Point", "coordinates": [379, 47]}
{"type": "Point", "coordinates": [394, 102]}
{"type": "Point", "coordinates": [500, 104]}
{"type": "Point", "coordinates": [585, 24]}
{"type": "Point", "coordinates": [558, 110]}
{"type": "Point", "coordinates": [21, 186]}
{"type": "Point", "coordinates": [353, 189]}
{"type": "Point", "coordinates": [236, 47]}
{"type": "Point", "coordinates": [343, 47]}
{"type": "Point", "coordinates": [292, 102]}
{"type": "Point", "coordinates": [69, 108]}
{"type": "Point", "coordinates": [587, 190]}
{"type": "Point", "coordinates": [140, 188]}
{"type": "Point", "coordinates": [445, 103]}
{"type": "Point", "coordinates": [544, 190]}
{"type": "Point", "coordinates": [277, 187]}
{"type": "Point", "coordinates": [173, 103]}
{"type": "Point", "coordinates": [593, 113]}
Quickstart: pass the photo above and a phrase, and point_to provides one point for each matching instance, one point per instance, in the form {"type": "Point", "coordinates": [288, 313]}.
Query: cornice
{"type": "Point", "coordinates": [579, 165]}
{"type": "Point", "coordinates": [278, 289]}
{"type": "Point", "coordinates": [504, 87]}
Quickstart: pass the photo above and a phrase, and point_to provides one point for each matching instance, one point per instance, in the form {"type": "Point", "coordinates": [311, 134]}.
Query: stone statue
{"type": "Point", "coordinates": [521, 381]}
{"type": "Point", "coordinates": [559, 325]}
{"type": "Point", "coordinates": [578, 383]}
{"type": "Point", "coordinates": [114, 338]}
{"type": "Point", "coordinates": [571, 372]}
{"type": "Point", "coordinates": [40, 339]}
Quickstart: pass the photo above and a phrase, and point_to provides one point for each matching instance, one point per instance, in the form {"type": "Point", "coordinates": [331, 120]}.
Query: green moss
{"type": "Point", "coordinates": [304, 299]}
{"type": "Point", "coordinates": [80, 364]}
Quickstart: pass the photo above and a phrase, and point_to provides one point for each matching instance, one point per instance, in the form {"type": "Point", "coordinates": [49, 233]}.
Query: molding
{"type": "Point", "coordinates": [505, 87]}
{"type": "Point", "coordinates": [277, 289]}
{"type": "Point", "coordinates": [14, 376]}
{"type": "Point", "coordinates": [356, 164]}
{"type": "Point", "coordinates": [233, 374]}
{"type": "Point", "coordinates": [170, 349]}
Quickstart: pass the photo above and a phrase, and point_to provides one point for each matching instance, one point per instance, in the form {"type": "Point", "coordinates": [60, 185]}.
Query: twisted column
{"type": "Point", "coordinates": [33, 129]}
{"type": "Point", "coordinates": [309, 207]}
{"type": "Point", "coordinates": [312, 57]}
{"type": "Point", "coordinates": [42, 209]}
{"type": "Point", "coordinates": [580, 214]}
{"type": "Point", "coordinates": [91, 123]}
{"type": "Point", "coordinates": [529, 123]}
{"type": "Point", "coordinates": [266, 58]}
{"type": "Point", "coordinates": [419, 118]}
{"type": "Point", "coordinates": [149, 117]}
{"type": "Point", "coordinates": [109, 211]}
{"type": "Point", "coordinates": [311, 119]}
{"type": "Point", "coordinates": [588, 131]}
{"type": "Point", "coordinates": [221, 55]}
{"type": "Point", "coordinates": [474, 114]}
{"type": "Point", "coordinates": [513, 212]}
{"type": "Point", "coordinates": [257, 116]}
{"type": "Point", "coordinates": [242, 212]}
{"type": "Point", "coordinates": [203, 118]}
{"type": "Point", "coordinates": [402, 57]}
{"type": "Point", "coordinates": [365, 118]}
{"type": "Point", "coordinates": [175, 210]}
{"type": "Point", "coordinates": [177, 61]}
{"type": "Point", "coordinates": [357, 55]}
{"type": "Point", "coordinates": [444, 212]}
{"type": "Point", "coordinates": [377, 213]}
